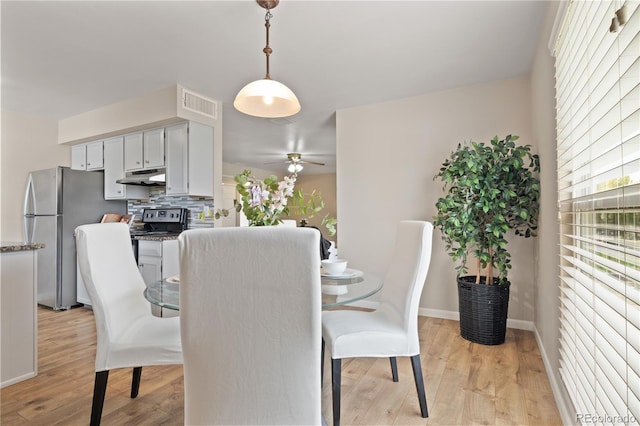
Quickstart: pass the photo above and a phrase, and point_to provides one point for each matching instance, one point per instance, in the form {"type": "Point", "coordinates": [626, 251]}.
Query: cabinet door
{"type": "Point", "coordinates": [113, 168]}
{"type": "Point", "coordinates": [153, 148]}
{"type": "Point", "coordinates": [79, 157]}
{"type": "Point", "coordinates": [95, 159]}
{"type": "Point", "coordinates": [18, 317]}
{"type": "Point", "coordinates": [177, 155]}
{"type": "Point", "coordinates": [170, 258]}
{"type": "Point", "coordinates": [200, 160]}
{"type": "Point", "coordinates": [150, 268]}
{"type": "Point", "coordinates": [133, 152]}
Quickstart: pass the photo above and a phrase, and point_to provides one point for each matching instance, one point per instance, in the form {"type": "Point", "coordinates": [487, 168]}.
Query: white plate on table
{"type": "Point", "coordinates": [174, 279]}
{"type": "Point", "coordinates": [347, 273]}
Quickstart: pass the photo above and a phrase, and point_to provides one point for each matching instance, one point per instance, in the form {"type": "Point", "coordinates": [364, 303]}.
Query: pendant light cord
{"type": "Point", "coordinates": [267, 50]}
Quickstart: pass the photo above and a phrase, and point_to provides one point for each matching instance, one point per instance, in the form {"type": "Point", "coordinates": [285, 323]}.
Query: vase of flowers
{"type": "Point", "coordinates": [266, 202]}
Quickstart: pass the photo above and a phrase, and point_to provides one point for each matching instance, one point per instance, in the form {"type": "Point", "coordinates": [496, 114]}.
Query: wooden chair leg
{"type": "Point", "coordinates": [336, 367]}
{"type": "Point", "coordinates": [417, 374]}
{"type": "Point", "coordinates": [99, 390]}
{"type": "Point", "coordinates": [135, 381]}
{"type": "Point", "coordinates": [394, 368]}
{"type": "Point", "coordinates": [322, 365]}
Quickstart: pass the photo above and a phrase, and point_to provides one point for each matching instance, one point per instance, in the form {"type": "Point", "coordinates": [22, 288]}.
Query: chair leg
{"type": "Point", "coordinates": [99, 390]}
{"type": "Point", "coordinates": [417, 374]}
{"type": "Point", "coordinates": [135, 381]}
{"type": "Point", "coordinates": [322, 365]}
{"type": "Point", "coordinates": [336, 367]}
{"type": "Point", "coordinates": [394, 368]}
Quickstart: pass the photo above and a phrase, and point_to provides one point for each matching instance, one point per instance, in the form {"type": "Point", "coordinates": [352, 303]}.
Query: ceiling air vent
{"type": "Point", "coordinates": [197, 103]}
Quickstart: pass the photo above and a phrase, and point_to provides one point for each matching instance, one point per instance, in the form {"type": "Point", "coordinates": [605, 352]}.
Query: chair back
{"type": "Point", "coordinates": [112, 279]}
{"type": "Point", "coordinates": [406, 275]}
{"type": "Point", "coordinates": [250, 318]}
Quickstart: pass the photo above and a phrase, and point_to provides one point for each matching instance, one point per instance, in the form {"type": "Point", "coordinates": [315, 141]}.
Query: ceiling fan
{"type": "Point", "coordinates": [295, 162]}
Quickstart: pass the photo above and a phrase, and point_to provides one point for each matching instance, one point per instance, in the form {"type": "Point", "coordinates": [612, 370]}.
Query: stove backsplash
{"type": "Point", "coordinates": [157, 199]}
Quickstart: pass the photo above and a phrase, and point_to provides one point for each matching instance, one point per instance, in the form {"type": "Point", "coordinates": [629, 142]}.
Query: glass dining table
{"type": "Point", "coordinates": [344, 289]}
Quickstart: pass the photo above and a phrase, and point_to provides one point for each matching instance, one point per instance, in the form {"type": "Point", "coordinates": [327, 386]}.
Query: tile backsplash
{"type": "Point", "coordinates": [158, 199]}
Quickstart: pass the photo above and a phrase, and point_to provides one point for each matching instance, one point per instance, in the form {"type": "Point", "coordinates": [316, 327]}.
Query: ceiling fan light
{"type": "Point", "coordinates": [267, 98]}
{"type": "Point", "coordinates": [295, 168]}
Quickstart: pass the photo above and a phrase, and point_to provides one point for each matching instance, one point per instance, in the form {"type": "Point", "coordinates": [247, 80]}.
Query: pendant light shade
{"type": "Point", "coordinates": [267, 98]}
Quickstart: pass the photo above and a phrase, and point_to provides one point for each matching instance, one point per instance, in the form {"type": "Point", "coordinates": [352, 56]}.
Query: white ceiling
{"type": "Point", "coordinates": [63, 58]}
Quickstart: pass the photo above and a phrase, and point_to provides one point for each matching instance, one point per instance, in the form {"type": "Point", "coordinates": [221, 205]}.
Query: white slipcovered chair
{"type": "Point", "coordinates": [250, 310]}
{"type": "Point", "coordinates": [128, 334]}
{"type": "Point", "coordinates": [392, 329]}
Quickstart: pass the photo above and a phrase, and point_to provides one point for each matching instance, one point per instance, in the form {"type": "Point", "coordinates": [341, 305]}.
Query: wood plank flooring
{"type": "Point", "coordinates": [465, 383]}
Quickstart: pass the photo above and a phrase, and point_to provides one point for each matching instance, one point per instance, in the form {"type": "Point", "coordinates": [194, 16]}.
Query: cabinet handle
{"type": "Point", "coordinates": [147, 161]}
{"type": "Point", "coordinates": [137, 162]}
{"type": "Point", "coordinates": [119, 192]}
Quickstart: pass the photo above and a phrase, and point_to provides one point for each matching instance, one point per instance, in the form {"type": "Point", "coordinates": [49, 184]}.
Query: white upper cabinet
{"type": "Point", "coordinates": [114, 170]}
{"type": "Point", "coordinates": [177, 175]}
{"type": "Point", "coordinates": [189, 159]}
{"type": "Point", "coordinates": [133, 152]}
{"type": "Point", "coordinates": [95, 155]}
{"type": "Point", "coordinates": [79, 157]}
{"type": "Point", "coordinates": [144, 150]}
{"type": "Point", "coordinates": [153, 151]}
{"type": "Point", "coordinates": [87, 156]}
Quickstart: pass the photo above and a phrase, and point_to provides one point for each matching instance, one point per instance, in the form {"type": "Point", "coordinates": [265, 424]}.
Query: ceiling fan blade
{"type": "Point", "coordinates": [278, 162]}
{"type": "Point", "coordinates": [312, 162]}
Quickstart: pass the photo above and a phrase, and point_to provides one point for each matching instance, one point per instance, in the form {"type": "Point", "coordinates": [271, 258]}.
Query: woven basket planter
{"type": "Point", "coordinates": [483, 311]}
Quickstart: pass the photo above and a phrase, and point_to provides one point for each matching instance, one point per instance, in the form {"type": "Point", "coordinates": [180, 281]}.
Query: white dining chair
{"type": "Point", "coordinates": [250, 310]}
{"type": "Point", "coordinates": [128, 334]}
{"type": "Point", "coordinates": [392, 329]}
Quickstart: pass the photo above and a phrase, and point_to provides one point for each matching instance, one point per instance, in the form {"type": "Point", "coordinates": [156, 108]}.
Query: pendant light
{"type": "Point", "coordinates": [266, 97]}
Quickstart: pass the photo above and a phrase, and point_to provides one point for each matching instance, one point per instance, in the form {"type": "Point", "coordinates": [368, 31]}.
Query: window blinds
{"type": "Point", "coordinates": [598, 129]}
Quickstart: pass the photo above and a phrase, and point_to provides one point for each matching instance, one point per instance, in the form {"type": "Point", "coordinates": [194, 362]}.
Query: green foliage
{"type": "Point", "coordinates": [489, 189]}
{"type": "Point", "coordinates": [310, 205]}
{"type": "Point", "coordinates": [267, 202]}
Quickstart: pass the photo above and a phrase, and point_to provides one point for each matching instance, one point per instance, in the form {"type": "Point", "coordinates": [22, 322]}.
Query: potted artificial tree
{"type": "Point", "coordinates": [489, 190]}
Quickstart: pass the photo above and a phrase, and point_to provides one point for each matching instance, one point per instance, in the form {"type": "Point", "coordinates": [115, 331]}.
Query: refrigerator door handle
{"type": "Point", "coordinates": [29, 211]}
{"type": "Point", "coordinates": [29, 228]}
{"type": "Point", "coordinates": [30, 198]}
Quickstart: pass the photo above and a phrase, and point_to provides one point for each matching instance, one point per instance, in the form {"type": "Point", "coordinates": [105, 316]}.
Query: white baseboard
{"type": "Point", "coordinates": [15, 380]}
{"type": "Point", "coordinates": [455, 316]}
{"type": "Point", "coordinates": [438, 313]}
{"type": "Point", "coordinates": [566, 412]}
{"type": "Point", "coordinates": [520, 324]}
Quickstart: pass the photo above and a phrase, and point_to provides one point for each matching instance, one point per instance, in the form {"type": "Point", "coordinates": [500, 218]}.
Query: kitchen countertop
{"type": "Point", "coordinates": [11, 246]}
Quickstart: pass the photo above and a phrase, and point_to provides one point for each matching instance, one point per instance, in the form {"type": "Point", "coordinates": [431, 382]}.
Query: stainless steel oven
{"type": "Point", "coordinates": [160, 222]}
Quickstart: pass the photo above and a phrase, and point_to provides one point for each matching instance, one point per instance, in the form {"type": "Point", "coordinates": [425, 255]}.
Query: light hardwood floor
{"type": "Point", "coordinates": [466, 383]}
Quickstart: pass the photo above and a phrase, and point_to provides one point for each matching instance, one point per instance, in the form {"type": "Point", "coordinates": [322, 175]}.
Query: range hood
{"type": "Point", "coordinates": [150, 177]}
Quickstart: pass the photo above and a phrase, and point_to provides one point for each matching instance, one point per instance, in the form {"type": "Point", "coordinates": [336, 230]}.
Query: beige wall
{"type": "Point", "coordinates": [28, 143]}
{"type": "Point", "coordinates": [387, 155]}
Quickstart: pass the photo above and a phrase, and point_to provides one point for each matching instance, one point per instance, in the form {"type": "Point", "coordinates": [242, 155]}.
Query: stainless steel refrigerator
{"type": "Point", "coordinates": [58, 200]}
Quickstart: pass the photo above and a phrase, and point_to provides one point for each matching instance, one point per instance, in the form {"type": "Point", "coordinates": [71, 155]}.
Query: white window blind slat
{"type": "Point", "coordinates": [598, 158]}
